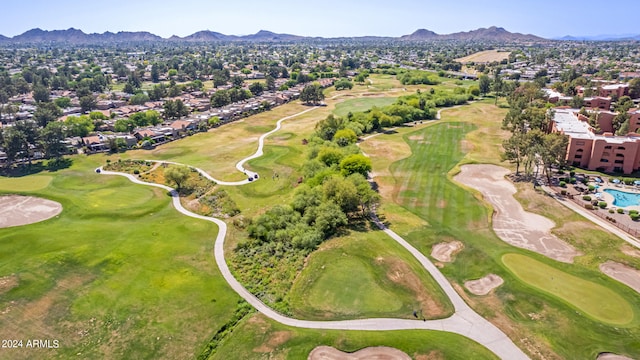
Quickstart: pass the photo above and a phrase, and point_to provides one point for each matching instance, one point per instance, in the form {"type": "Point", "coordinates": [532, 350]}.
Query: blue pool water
{"type": "Point", "coordinates": [624, 199]}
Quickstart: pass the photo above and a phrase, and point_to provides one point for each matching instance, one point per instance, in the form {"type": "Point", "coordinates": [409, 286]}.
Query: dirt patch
{"type": "Point", "coordinates": [433, 355]}
{"type": "Point", "coordinates": [484, 285]}
{"type": "Point", "coordinates": [7, 283]}
{"type": "Point", "coordinates": [443, 251]}
{"type": "Point", "coordinates": [611, 356]}
{"type": "Point", "coordinates": [370, 353]}
{"type": "Point", "coordinates": [400, 273]}
{"type": "Point", "coordinates": [277, 338]}
{"type": "Point", "coordinates": [623, 273]}
{"type": "Point", "coordinates": [511, 222]}
{"type": "Point", "coordinates": [630, 250]}
{"type": "Point", "coordinates": [18, 210]}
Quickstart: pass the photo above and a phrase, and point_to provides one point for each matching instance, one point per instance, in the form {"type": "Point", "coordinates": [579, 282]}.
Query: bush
{"type": "Point", "coordinates": [620, 211]}
{"type": "Point", "coordinates": [634, 217]}
{"type": "Point", "coordinates": [586, 198]}
{"type": "Point", "coordinates": [573, 180]}
{"type": "Point", "coordinates": [563, 184]}
{"type": "Point", "coordinates": [611, 211]}
{"type": "Point", "coordinates": [633, 212]}
{"type": "Point", "coordinates": [572, 173]}
{"type": "Point", "coordinates": [136, 172]}
{"type": "Point", "coordinates": [588, 206]}
{"type": "Point", "coordinates": [592, 187]}
{"type": "Point", "coordinates": [602, 204]}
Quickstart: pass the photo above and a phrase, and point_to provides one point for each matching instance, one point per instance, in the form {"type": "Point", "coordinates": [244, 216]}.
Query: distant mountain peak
{"type": "Point", "coordinates": [493, 33]}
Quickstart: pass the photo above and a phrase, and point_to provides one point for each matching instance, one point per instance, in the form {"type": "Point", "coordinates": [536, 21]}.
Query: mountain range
{"type": "Point", "coordinates": [75, 36]}
{"type": "Point", "coordinates": [624, 37]}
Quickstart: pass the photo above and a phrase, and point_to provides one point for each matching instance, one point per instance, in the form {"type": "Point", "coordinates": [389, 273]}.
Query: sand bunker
{"type": "Point", "coordinates": [623, 273]}
{"type": "Point", "coordinates": [511, 222]}
{"type": "Point", "coordinates": [370, 353]}
{"type": "Point", "coordinates": [484, 285]}
{"type": "Point", "coordinates": [611, 356]}
{"type": "Point", "coordinates": [22, 210]}
{"type": "Point", "coordinates": [443, 251]}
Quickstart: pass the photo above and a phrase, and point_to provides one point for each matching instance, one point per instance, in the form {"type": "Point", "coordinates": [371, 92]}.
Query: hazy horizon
{"type": "Point", "coordinates": [333, 19]}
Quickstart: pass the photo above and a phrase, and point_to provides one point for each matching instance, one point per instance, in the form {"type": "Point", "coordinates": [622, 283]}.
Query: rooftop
{"type": "Point", "coordinates": [567, 122]}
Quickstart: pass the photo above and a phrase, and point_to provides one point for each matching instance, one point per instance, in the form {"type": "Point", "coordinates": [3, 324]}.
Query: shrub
{"type": "Point", "coordinates": [563, 184]}
{"type": "Point", "coordinates": [588, 206]}
{"type": "Point", "coordinates": [602, 204]}
{"type": "Point", "coordinates": [633, 212]}
{"type": "Point", "coordinates": [586, 198]}
{"type": "Point", "coordinates": [592, 187]}
{"type": "Point", "coordinates": [563, 192]}
{"type": "Point", "coordinates": [620, 211]}
{"type": "Point", "coordinates": [136, 172]}
{"type": "Point", "coordinates": [611, 211]}
{"type": "Point", "coordinates": [634, 217]}
{"type": "Point", "coordinates": [572, 173]}
{"type": "Point", "coordinates": [573, 180]}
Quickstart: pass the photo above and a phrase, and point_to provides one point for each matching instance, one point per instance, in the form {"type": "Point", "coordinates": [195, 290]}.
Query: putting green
{"type": "Point", "coordinates": [593, 299]}
{"type": "Point", "coordinates": [347, 286]}
{"type": "Point", "coordinates": [26, 183]}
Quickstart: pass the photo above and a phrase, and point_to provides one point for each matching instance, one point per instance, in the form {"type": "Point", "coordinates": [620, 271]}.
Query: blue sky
{"type": "Point", "coordinates": [329, 18]}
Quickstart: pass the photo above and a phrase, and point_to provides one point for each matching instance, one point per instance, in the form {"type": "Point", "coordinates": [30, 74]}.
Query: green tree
{"type": "Point", "coordinates": [46, 112]}
{"type": "Point", "coordinates": [342, 192]}
{"type": "Point", "coordinates": [237, 81]}
{"type": "Point", "coordinates": [177, 175]}
{"type": "Point", "coordinates": [634, 88]}
{"type": "Point", "coordinates": [87, 103]}
{"type": "Point", "coordinates": [62, 102]}
{"type": "Point", "coordinates": [343, 84]}
{"type": "Point", "coordinates": [139, 99]}
{"type": "Point", "coordinates": [345, 137]}
{"type": "Point", "coordinates": [220, 98]}
{"type": "Point", "coordinates": [256, 88]}
{"type": "Point", "coordinates": [312, 94]}
{"type": "Point", "coordinates": [270, 83]}
{"type": "Point", "coordinates": [79, 125]}
{"type": "Point", "coordinates": [484, 84]}
{"type": "Point", "coordinates": [41, 93]}
{"type": "Point", "coordinates": [175, 109]}
{"type": "Point", "coordinates": [51, 140]}
{"type": "Point", "coordinates": [356, 163]}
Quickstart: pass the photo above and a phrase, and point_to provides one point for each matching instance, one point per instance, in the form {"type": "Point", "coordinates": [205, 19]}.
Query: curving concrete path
{"type": "Point", "coordinates": [465, 321]}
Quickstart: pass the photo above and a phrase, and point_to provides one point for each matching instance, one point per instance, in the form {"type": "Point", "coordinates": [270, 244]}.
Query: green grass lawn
{"type": "Point", "coordinates": [365, 275]}
{"type": "Point", "coordinates": [418, 181]}
{"type": "Point", "coordinates": [361, 104]}
{"type": "Point", "coordinates": [593, 299]}
{"type": "Point", "coordinates": [118, 274]}
{"type": "Point", "coordinates": [25, 183]}
{"type": "Point", "coordinates": [260, 338]}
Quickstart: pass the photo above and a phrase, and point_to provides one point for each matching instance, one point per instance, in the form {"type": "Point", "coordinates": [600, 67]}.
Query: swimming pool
{"type": "Point", "coordinates": [623, 199]}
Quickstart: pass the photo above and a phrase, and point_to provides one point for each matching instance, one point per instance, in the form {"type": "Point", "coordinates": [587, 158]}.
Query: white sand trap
{"type": "Point", "coordinates": [623, 273]}
{"type": "Point", "coordinates": [484, 285]}
{"type": "Point", "coordinates": [370, 353]}
{"type": "Point", "coordinates": [22, 210]}
{"type": "Point", "coordinates": [611, 356]}
{"type": "Point", "coordinates": [443, 251]}
{"type": "Point", "coordinates": [511, 222]}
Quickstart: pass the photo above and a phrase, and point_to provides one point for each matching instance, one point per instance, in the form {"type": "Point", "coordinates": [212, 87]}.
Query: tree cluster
{"type": "Point", "coordinates": [528, 121]}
